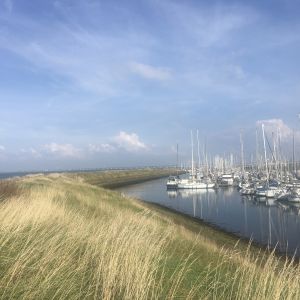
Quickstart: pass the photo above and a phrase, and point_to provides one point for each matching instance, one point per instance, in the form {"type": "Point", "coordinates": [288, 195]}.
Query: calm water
{"type": "Point", "coordinates": [267, 222]}
{"type": "Point", "coordinates": [11, 175]}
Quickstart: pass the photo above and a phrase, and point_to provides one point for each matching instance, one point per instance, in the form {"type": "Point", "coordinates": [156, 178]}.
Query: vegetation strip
{"type": "Point", "coordinates": [63, 238]}
{"type": "Point", "coordinates": [118, 178]}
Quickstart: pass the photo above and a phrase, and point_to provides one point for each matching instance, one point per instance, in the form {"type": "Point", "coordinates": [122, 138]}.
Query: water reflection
{"type": "Point", "coordinates": [290, 208]}
{"type": "Point", "coordinates": [192, 193]}
{"type": "Point", "coordinates": [172, 193]}
{"type": "Point", "coordinates": [266, 221]}
{"type": "Point", "coordinates": [228, 191]}
{"type": "Point", "coordinates": [270, 202]}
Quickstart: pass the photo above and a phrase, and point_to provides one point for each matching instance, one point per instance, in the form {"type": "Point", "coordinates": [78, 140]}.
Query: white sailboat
{"type": "Point", "coordinates": [267, 191]}
{"type": "Point", "coordinates": [226, 180]}
{"type": "Point", "coordinates": [192, 182]}
{"type": "Point", "coordinates": [172, 182]}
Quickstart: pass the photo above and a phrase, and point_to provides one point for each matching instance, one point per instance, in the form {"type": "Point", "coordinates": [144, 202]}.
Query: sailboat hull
{"type": "Point", "coordinates": [192, 185]}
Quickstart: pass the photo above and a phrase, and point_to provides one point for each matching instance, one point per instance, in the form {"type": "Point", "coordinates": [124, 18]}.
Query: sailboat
{"type": "Point", "coordinates": [269, 191]}
{"type": "Point", "coordinates": [192, 182]}
{"type": "Point", "coordinates": [246, 187]}
{"type": "Point", "coordinates": [172, 182]}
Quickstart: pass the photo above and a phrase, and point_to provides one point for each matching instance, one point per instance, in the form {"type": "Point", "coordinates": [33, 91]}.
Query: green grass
{"type": "Point", "coordinates": [113, 179]}
{"type": "Point", "coordinates": [64, 238]}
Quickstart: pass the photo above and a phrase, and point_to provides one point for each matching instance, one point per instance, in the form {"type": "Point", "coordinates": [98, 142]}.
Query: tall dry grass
{"type": "Point", "coordinates": [8, 189]}
{"type": "Point", "coordinates": [64, 239]}
{"type": "Point", "coordinates": [49, 249]}
{"type": "Point", "coordinates": [241, 275]}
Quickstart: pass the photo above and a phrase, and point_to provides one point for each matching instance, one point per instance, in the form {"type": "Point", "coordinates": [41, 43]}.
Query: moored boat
{"type": "Point", "coordinates": [226, 180]}
{"type": "Point", "coordinates": [191, 184]}
{"type": "Point", "coordinates": [172, 182]}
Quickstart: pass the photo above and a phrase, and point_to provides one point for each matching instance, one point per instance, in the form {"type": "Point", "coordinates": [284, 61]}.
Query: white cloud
{"type": "Point", "coordinates": [278, 127]}
{"type": "Point", "coordinates": [8, 4]}
{"type": "Point", "coordinates": [63, 150]}
{"type": "Point", "coordinates": [123, 141]}
{"type": "Point", "coordinates": [208, 25]}
{"type": "Point", "coordinates": [129, 141]}
{"type": "Point", "coordinates": [275, 126]}
{"type": "Point", "coordinates": [101, 148]}
{"type": "Point", "coordinates": [79, 55]}
{"type": "Point", "coordinates": [150, 72]}
{"type": "Point", "coordinates": [2, 148]}
{"type": "Point", "coordinates": [32, 152]}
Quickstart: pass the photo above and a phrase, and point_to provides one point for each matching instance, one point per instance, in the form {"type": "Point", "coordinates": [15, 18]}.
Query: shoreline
{"type": "Point", "coordinates": [236, 238]}
{"type": "Point", "coordinates": [115, 186]}
{"type": "Point", "coordinates": [218, 229]}
{"type": "Point", "coordinates": [116, 179]}
{"type": "Point", "coordinates": [90, 230]}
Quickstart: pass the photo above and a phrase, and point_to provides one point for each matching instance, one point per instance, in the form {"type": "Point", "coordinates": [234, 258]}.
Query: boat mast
{"type": "Point", "coordinates": [198, 150]}
{"type": "Point", "coordinates": [294, 167]}
{"type": "Point", "coordinates": [281, 157]}
{"type": "Point", "coordinates": [177, 166]}
{"type": "Point", "coordinates": [205, 154]}
{"type": "Point", "coordinates": [265, 151]}
{"type": "Point", "coordinates": [242, 155]}
{"type": "Point", "coordinates": [257, 158]}
{"type": "Point", "coordinates": [275, 155]}
{"type": "Point", "coordinates": [192, 154]}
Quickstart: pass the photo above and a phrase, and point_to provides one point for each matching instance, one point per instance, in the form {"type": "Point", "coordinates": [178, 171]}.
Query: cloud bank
{"type": "Point", "coordinates": [129, 141]}
{"type": "Point", "coordinates": [277, 127]}
{"type": "Point", "coordinates": [150, 72]}
{"type": "Point", "coordinates": [62, 150]}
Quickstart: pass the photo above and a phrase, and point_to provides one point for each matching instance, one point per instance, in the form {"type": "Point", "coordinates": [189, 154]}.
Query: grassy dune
{"type": "Point", "coordinates": [117, 178]}
{"type": "Point", "coordinates": [63, 238]}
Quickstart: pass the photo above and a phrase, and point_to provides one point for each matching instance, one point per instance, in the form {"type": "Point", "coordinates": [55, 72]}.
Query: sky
{"type": "Point", "coordinates": [95, 84]}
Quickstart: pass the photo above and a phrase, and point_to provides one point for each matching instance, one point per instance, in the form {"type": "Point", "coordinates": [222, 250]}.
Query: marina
{"type": "Point", "coordinates": [259, 201]}
{"type": "Point", "coordinates": [150, 150]}
{"type": "Point", "coordinates": [269, 222]}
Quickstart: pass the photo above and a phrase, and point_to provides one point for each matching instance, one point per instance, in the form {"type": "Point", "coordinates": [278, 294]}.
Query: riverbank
{"type": "Point", "coordinates": [62, 237]}
{"type": "Point", "coordinates": [119, 178]}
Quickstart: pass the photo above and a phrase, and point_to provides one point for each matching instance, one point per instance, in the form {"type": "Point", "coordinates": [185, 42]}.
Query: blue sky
{"type": "Point", "coordinates": [118, 83]}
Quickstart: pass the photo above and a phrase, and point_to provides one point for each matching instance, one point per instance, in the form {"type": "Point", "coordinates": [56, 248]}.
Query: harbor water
{"type": "Point", "coordinates": [266, 221]}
